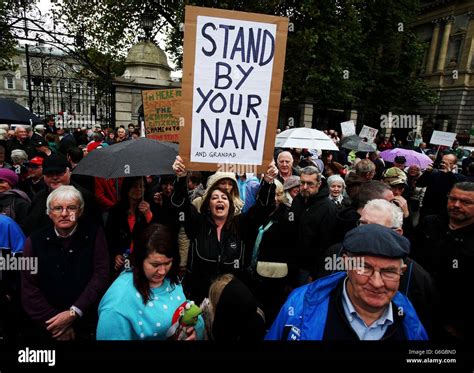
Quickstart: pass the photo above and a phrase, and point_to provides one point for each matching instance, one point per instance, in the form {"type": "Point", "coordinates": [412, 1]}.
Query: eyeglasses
{"type": "Point", "coordinates": [464, 202]}
{"type": "Point", "coordinates": [69, 209]}
{"type": "Point", "coordinates": [386, 274]}
{"type": "Point", "coordinates": [363, 222]}
{"type": "Point", "coordinates": [308, 183]}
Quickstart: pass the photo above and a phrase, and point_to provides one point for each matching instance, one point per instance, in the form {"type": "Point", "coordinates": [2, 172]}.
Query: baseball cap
{"type": "Point", "coordinates": [38, 143]}
{"type": "Point", "coordinates": [394, 176]}
{"type": "Point", "coordinates": [55, 163]}
{"type": "Point", "coordinates": [376, 240]}
{"type": "Point", "coordinates": [35, 162]}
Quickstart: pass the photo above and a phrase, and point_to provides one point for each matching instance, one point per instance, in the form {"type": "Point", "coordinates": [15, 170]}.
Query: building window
{"type": "Point", "coordinates": [25, 84]}
{"type": "Point", "coordinates": [47, 107]}
{"type": "Point", "coordinates": [9, 82]}
{"type": "Point", "coordinates": [77, 88]}
{"type": "Point", "coordinates": [78, 107]}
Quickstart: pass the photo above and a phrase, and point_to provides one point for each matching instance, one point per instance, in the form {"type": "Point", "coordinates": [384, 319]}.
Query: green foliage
{"type": "Point", "coordinates": [7, 39]}
{"type": "Point", "coordinates": [357, 54]}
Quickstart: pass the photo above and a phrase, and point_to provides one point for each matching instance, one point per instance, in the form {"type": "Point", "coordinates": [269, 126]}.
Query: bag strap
{"type": "Point", "coordinates": [256, 247]}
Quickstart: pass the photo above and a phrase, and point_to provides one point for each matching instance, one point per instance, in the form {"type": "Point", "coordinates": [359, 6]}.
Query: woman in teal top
{"type": "Point", "coordinates": [141, 302]}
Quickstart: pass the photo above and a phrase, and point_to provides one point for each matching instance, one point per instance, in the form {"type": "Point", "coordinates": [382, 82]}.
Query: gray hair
{"type": "Point", "coordinates": [465, 186]}
{"type": "Point", "coordinates": [279, 188]}
{"type": "Point", "coordinates": [64, 192]}
{"type": "Point", "coordinates": [311, 170]}
{"type": "Point", "coordinates": [336, 179]}
{"type": "Point", "coordinates": [383, 205]}
{"type": "Point", "coordinates": [18, 155]}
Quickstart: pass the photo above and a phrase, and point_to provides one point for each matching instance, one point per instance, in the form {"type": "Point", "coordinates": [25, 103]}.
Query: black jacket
{"type": "Point", "coordinates": [208, 257]}
{"type": "Point", "coordinates": [313, 226]}
{"type": "Point", "coordinates": [448, 255]}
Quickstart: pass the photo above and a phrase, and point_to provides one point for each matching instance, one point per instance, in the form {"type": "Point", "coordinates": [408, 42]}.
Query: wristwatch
{"type": "Point", "coordinates": [72, 312]}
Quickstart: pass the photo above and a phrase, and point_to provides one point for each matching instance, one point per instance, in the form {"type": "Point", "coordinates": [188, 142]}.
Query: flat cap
{"type": "Point", "coordinates": [376, 240]}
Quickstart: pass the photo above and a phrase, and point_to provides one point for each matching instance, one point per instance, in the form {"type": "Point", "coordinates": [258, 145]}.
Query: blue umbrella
{"type": "Point", "coordinates": [13, 113]}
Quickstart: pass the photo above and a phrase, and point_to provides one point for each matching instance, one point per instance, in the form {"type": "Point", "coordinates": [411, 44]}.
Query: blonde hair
{"type": "Point", "coordinates": [216, 288]}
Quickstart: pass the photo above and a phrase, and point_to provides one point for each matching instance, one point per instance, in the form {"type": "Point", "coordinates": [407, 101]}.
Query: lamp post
{"type": "Point", "coordinates": [147, 24]}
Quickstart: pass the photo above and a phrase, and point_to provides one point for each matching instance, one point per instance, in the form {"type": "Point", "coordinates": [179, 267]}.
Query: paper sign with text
{"type": "Point", "coordinates": [232, 78]}
{"type": "Point", "coordinates": [348, 128]}
{"type": "Point", "coordinates": [162, 114]}
{"type": "Point", "coordinates": [369, 133]}
{"type": "Point", "coordinates": [443, 138]}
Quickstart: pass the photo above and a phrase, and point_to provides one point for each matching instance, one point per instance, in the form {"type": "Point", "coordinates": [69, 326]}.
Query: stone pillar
{"type": "Point", "coordinates": [306, 115]}
{"type": "Point", "coordinates": [353, 116]}
{"type": "Point", "coordinates": [468, 49]}
{"type": "Point", "coordinates": [433, 46]}
{"type": "Point", "coordinates": [444, 128]}
{"type": "Point", "coordinates": [443, 51]}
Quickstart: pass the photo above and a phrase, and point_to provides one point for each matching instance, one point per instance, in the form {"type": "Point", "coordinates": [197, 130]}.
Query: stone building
{"type": "Point", "coordinates": [447, 26]}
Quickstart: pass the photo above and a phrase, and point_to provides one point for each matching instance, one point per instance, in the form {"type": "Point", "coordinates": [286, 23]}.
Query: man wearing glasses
{"type": "Point", "coordinates": [445, 247]}
{"type": "Point", "coordinates": [362, 303]}
{"type": "Point", "coordinates": [56, 172]}
{"type": "Point", "coordinates": [314, 219]}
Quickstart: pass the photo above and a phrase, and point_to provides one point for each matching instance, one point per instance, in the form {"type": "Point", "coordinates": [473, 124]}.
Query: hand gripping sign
{"type": "Point", "coordinates": [232, 78]}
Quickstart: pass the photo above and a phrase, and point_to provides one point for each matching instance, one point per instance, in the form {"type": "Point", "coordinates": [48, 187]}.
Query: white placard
{"type": "Point", "coordinates": [232, 77]}
{"type": "Point", "coordinates": [369, 133]}
{"type": "Point", "coordinates": [443, 138]}
{"type": "Point", "coordinates": [348, 128]}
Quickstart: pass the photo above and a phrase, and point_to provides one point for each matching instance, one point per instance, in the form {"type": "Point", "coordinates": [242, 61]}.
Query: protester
{"type": "Point", "coordinates": [216, 233]}
{"type": "Point", "coordinates": [13, 202]}
{"type": "Point", "coordinates": [336, 186]}
{"type": "Point", "coordinates": [362, 304]}
{"type": "Point", "coordinates": [140, 303]}
{"type": "Point", "coordinates": [62, 296]}
{"type": "Point", "coordinates": [231, 312]}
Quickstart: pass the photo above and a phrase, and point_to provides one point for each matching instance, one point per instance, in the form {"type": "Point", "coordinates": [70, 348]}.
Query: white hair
{"type": "Point", "coordinates": [385, 206]}
{"type": "Point", "coordinates": [64, 192]}
{"type": "Point", "coordinates": [18, 155]}
{"type": "Point", "coordinates": [336, 179]}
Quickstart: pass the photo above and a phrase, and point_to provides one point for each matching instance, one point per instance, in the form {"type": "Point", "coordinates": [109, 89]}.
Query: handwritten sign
{"type": "Point", "coordinates": [162, 114]}
{"type": "Point", "coordinates": [369, 133]}
{"type": "Point", "coordinates": [348, 128]}
{"type": "Point", "coordinates": [232, 77]}
{"type": "Point", "coordinates": [443, 138]}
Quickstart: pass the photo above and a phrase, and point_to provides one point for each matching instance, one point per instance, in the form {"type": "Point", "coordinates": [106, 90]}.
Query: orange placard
{"type": "Point", "coordinates": [161, 109]}
{"type": "Point", "coordinates": [232, 79]}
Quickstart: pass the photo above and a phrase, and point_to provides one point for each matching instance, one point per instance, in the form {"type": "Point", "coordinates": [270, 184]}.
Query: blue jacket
{"type": "Point", "coordinates": [11, 235]}
{"type": "Point", "coordinates": [306, 309]}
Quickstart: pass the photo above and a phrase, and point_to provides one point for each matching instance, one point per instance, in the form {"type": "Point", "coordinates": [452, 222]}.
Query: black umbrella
{"type": "Point", "coordinates": [357, 143]}
{"type": "Point", "coordinates": [13, 113]}
{"type": "Point", "coordinates": [138, 157]}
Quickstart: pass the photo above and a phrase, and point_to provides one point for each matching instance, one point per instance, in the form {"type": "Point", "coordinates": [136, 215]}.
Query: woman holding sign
{"type": "Point", "coordinates": [217, 235]}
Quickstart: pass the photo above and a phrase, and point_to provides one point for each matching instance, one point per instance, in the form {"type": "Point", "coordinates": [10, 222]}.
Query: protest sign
{"type": "Point", "coordinates": [232, 78]}
{"type": "Point", "coordinates": [369, 133]}
{"type": "Point", "coordinates": [348, 128]}
{"type": "Point", "coordinates": [443, 138]}
{"type": "Point", "coordinates": [162, 114]}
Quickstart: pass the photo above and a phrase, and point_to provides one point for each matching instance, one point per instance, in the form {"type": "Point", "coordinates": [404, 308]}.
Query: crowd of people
{"type": "Point", "coordinates": [325, 245]}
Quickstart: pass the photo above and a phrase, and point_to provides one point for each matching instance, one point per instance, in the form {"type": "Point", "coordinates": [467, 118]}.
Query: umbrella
{"type": "Point", "coordinates": [13, 113]}
{"type": "Point", "coordinates": [357, 143]}
{"type": "Point", "coordinates": [412, 157]}
{"type": "Point", "coordinates": [304, 137]}
{"type": "Point", "coordinates": [138, 157]}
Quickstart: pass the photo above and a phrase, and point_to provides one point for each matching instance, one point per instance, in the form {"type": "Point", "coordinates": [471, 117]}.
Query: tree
{"type": "Point", "coordinates": [341, 54]}
{"type": "Point", "coordinates": [7, 38]}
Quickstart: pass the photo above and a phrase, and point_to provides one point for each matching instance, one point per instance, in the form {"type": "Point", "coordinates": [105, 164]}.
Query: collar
{"type": "Point", "coordinates": [66, 236]}
{"type": "Point", "coordinates": [351, 313]}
